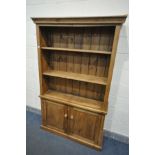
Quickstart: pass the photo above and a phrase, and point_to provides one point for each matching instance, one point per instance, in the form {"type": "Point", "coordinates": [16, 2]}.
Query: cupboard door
{"type": "Point", "coordinates": [85, 125]}
{"type": "Point", "coordinates": [54, 115]}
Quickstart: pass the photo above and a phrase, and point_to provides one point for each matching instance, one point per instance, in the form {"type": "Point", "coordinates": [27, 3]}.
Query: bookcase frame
{"type": "Point", "coordinates": [91, 42]}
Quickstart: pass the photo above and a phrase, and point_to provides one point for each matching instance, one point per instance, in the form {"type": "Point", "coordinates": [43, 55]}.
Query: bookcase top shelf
{"type": "Point", "coordinates": [75, 50]}
{"type": "Point", "coordinates": [77, 76]}
{"type": "Point", "coordinates": [81, 20]}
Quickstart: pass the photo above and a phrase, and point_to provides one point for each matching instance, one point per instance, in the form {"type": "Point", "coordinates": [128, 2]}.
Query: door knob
{"type": "Point", "coordinates": [71, 117]}
{"type": "Point", "coordinates": [65, 115]}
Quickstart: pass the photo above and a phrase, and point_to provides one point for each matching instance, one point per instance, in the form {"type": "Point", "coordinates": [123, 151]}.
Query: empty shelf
{"type": "Point", "coordinates": [77, 76]}
{"type": "Point", "coordinates": [76, 50]}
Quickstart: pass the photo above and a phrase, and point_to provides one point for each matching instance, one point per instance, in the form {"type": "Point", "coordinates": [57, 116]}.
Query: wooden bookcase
{"type": "Point", "coordinates": [76, 59]}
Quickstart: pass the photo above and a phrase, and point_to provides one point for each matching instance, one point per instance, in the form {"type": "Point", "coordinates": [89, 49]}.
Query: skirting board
{"type": "Point", "coordinates": [107, 133]}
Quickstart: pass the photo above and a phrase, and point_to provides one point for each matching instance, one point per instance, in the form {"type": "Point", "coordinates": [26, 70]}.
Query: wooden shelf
{"type": "Point", "coordinates": [77, 76]}
{"type": "Point", "coordinates": [76, 50]}
{"type": "Point", "coordinates": [72, 100]}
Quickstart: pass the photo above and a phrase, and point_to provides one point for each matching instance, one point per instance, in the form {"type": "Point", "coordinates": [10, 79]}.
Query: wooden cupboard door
{"type": "Point", "coordinates": [54, 115]}
{"type": "Point", "coordinates": [85, 125]}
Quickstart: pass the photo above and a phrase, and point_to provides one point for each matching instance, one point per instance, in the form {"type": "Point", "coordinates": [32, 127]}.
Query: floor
{"type": "Point", "coordinates": [40, 142]}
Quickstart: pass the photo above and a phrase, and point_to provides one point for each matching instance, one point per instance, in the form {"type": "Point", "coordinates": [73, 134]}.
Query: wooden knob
{"type": "Point", "coordinates": [71, 117]}
{"type": "Point", "coordinates": [65, 115]}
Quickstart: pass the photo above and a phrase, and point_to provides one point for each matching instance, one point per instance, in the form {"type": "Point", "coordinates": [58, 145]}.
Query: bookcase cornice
{"type": "Point", "coordinates": [81, 20]}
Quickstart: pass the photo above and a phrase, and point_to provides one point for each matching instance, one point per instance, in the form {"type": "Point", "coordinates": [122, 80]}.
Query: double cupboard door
{"type": "Point", "coordinates": [74, 122]}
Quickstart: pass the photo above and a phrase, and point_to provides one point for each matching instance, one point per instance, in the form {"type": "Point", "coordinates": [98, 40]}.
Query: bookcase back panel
{"type": "Point", "coordinates": [78, 88]}
{"type": "Point", "coordinates": [83, 63]}
{"type": "Point", "coordinates": [91, 38]}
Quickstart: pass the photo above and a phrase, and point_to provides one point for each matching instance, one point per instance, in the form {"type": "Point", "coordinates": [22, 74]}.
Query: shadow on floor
{"type": "Point", "coordinates": [40, 142]}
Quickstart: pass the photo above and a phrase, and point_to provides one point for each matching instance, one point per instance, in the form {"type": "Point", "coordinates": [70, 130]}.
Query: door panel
{"type": "Point", "coordinates": [84, 124]}
{"type": "Point", "coordinates": [56, 115]}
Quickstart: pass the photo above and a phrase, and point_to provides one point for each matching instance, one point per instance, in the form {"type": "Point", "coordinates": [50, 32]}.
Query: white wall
{"type": "Point", "coordinates": [117, 118]}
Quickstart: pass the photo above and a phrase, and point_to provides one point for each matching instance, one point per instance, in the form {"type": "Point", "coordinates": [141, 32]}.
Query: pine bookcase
{"type": "Point", "coordinates": [76, 59]}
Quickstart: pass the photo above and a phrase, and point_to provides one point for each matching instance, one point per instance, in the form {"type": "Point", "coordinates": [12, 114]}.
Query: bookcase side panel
{"type": "Point", "coordinates": [111, 66]}
{"type": "Point", "coordinates": [43, 83]}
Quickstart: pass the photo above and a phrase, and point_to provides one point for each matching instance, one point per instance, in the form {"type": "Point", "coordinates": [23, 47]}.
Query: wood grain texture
{"type": "Point", "coordinates": [95, 39]}
{"type": "Point", "coordinates": [112, 60]}
{"type": "Point", "coordinates": [72, 100]}
{"type": "Point", "coordinates": [56, 115]}
{"type": "Point", "coordinates": [41, 62]}
{"type": "Point", "coordinates": [85, 40]}
{"type": "Point", "coordinates": [83, 124]}
{"type": "Point", "coordinates": [76, 76]}
{"type": "Point", "coordinates": [62, 67]}
{"type": "Point", "coordinates": [56, 38]}
{"type": "Point", "coordinates": [92, 72]}
{"type": "Point", "coordinates": [76, 123]}
{"type": "Point", "coordinates": [69, 82]}
{"type": "Point", "coordinates": [81, 20]}
{"type": "Point", "coordinates": [43, 112]}
{"type": "Point", "coordinates": [84, 70]}
{"type": "Point", "coordinates": [76, 70]}
{"type": "Point", "coordinates": [76, 59]}
{"type": "Point", "coordinates": [99, 91]}
{"type": "Point", "coordinates": [76, 50]}
{"type": "Point", "coordinates": [106, 38]}
{"type": "Point", "coordinates": [55, 62]}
